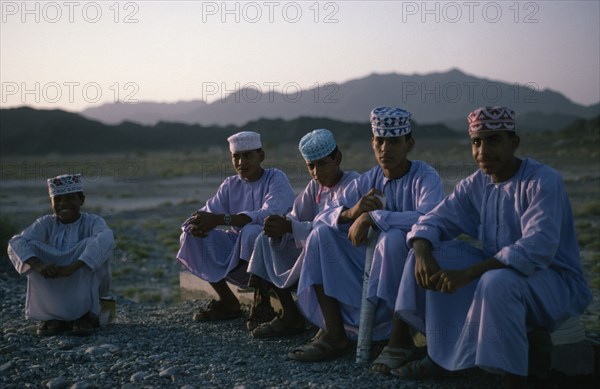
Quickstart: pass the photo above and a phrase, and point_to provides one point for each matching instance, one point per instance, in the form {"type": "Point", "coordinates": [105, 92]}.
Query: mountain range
{"type": "Point", "coordinates": [442, 97]}
{"type": "Point", "coordinates": [28, 131]}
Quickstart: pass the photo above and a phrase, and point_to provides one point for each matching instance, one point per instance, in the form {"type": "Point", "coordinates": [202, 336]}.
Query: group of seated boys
{"type": "Point", "coordinates": [475, 304]}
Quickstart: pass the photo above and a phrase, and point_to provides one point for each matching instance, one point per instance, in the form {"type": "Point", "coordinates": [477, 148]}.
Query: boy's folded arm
{"type": "Point", "coordinates": [36, 264]}
{"type": "Point", "coordinates": [98, 249]}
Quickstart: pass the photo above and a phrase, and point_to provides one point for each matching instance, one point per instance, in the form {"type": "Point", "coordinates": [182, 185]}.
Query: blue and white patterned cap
{"type": "Point", "coordinates": [64, 184]}
{"type": "Point", "coordinates": [316, 144]}
{"type": "Point", "coordinates": [388, 122]}
{"type": "Point", "coordinates": [492, 119]}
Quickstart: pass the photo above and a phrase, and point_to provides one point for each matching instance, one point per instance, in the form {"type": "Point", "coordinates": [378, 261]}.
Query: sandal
{"type": "Point", "coordinates": [317, 350]}
{"type": "Point", "coordinates": [52, 327]}
{"type": "Point", "coordinates": [278, 328]}
{"type": "Point", "coordinates": [392, 358]}
{"type": "Point", "coordinates": [421, 369]}
{"type": "Point", "coordinates": [261, 310]}
{"type": "Point", "coordinates": [215, 311]}
{"type": "Point", "coordinates": [84, 326]}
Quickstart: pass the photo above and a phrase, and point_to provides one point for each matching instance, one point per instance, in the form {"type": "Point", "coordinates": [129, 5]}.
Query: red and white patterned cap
{"type": "Point", "coordinates": [64, 184]}
{"type": "Point", "coordinates": [492, 119]}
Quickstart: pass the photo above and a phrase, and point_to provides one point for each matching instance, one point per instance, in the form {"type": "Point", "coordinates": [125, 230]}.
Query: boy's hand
{"type": "Point", "coordinates": [367, 203]}
{"type": "Point", "coordinates": [449, 281]}
{"type": "Point", "coordinates": [425, 264]}
{"type": "Point", "coordinates": [425, 268]}
{"type": "Point", "coordinates": [203, 223]}
{"type": "Point", "coordinates": [275, 226]}
{"type": "Point", "coordinates": [66, 271]}
{"type": "Point", "coordinates": [46, 270]}
{"type": "Point", "coordinates": [359, 229]}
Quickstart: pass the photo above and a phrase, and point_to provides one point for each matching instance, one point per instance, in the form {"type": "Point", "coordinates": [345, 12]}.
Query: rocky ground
{"type": "Point", "coordinates": [153, 343]}
{"type": "Point", "coordinates": [156, 346]}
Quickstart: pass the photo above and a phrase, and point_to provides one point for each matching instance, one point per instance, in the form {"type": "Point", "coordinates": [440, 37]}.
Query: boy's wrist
{"type": "Point", "coordinates": [421, 245]}
{"type": "Point", "coordinates": [35, 263]}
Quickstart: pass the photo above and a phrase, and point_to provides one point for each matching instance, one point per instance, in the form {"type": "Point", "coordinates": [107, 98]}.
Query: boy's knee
{"type": "Point", "coordinates": [500, 284]}
{"type": "Point", "coordinates": [393, 236]}
{"type": "Point", "coordinates": [251, 228]}
{"type": "Point", "coordinates": [321, 231]}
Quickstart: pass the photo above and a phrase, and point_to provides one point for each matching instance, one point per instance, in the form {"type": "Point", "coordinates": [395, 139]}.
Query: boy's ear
{"type": "Point", "coordinates": [262, 155]}
{"type": "Point", "coordinates": [411, 144]}
{"type": "Point", "coordinates": [338, 158]}
{"type": "Point", "coordinates": [82, 196]}
{"type": "Point", "coordinates": [516, 141]}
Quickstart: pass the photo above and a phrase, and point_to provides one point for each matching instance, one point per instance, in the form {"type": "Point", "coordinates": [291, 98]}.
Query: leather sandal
{"type": "Point", "coordinates": [278, 328]}
{"type": "Point", "coordinates": [216, 311]}
{"type": "Point", "coordinates": [52, 327]}
{"type": "Point", "coordinates": [392, 358]}
{"type": "Point", "coordinates": [421, 369]}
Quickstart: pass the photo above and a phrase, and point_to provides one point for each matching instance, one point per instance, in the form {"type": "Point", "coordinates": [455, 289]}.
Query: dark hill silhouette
{"type": "Point", "coordinates": [27, 131]}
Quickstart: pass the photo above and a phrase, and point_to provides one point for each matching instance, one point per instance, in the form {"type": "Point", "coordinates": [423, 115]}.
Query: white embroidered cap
{"type": "Point", "coordinates": [64, 184]}
{"type": "Point", "coordinates": [244, 141]}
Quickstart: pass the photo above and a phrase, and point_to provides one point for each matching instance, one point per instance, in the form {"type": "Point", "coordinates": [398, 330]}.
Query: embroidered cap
{"type": "Point", "coordinates": [388, 122]}
{"type": "Point", "coordinates": [64, 184]}
{"type": "Point", "coordinates": [316, 144]}
{"type": "Point", "coordinates": [492, 119]}
{"type": "Point", "coordinates": [244, 141]}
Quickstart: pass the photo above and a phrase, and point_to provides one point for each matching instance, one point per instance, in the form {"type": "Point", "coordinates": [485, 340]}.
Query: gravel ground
{"type": "Point", "coordinates": [153, 343]}
{"type": "Point", "coordinates": [156, 346]}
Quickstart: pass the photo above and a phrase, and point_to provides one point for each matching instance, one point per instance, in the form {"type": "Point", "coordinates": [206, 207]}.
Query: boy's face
{"type": "Point", "coordinates": [391, 153]}
{"type": "Point", "coordinates": [326, 171]}
{"type": "Point", "coordinates": [247, 164]}
{"type": "Point", "coordinates": [67, 206]}
{"type": "Point", "coordinates": [494, 153]}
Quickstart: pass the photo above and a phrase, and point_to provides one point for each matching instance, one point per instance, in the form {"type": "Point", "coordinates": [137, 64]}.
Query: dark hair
{"type": "Point", "coordinates": [334, 153]}
{"type": "Point", "coordinates": [79, 194]}
{"type": "Point", "coordinates": [407, 137]}
{"type": "Point", "coordinates": [247, 151]}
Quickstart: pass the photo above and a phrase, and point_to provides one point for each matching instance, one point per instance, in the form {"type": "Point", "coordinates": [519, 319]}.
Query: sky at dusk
{"type": "Point", "coordinates": [77, 54]}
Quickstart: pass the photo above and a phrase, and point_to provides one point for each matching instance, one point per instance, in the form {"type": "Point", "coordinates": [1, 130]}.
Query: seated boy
{"type": "Point", "coordinates": [389, 198]}
{"type": "Point", "coordinates": [242, 203]}
{"type": "Point", "coordinates": [65, 257]}
{"type": "Point", "coordinates": [477, 305]}
{"type": "Point", "coordinates": [278, 255]}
